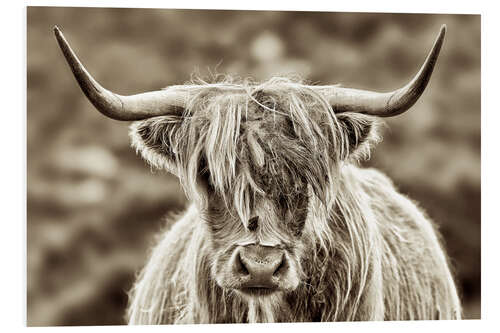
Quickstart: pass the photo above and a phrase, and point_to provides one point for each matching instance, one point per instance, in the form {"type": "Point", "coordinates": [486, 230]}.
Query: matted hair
{"type": "Point", "coordinates": [293, 134]}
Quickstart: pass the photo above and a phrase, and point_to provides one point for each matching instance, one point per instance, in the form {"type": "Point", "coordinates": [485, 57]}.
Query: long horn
{"type": "Point", "coordinates": [134, 107]}
{"type": "Point", "coordinates": [384, 104]}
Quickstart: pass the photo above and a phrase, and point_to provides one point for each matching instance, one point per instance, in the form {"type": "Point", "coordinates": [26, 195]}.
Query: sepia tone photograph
{"type": "Point", "coordinates": [244, 166]}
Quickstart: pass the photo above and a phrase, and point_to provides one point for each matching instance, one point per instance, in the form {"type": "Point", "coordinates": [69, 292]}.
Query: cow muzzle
{"type": "Point", "coordinates": [262, 270]}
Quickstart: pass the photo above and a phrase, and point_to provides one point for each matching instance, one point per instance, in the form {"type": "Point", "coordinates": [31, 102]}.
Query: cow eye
{"type": "Point", "coordinates": [253, 223]}
{"type": "Point", "coordinates": [204, 174]}
{"type": "Point", "coordinates": [282, 202]}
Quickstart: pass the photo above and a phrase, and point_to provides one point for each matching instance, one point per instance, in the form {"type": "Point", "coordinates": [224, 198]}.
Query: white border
{"type": "Point", "coordinates": [422, 6]}
{"type": "Point", "coordinates": [13, 136]}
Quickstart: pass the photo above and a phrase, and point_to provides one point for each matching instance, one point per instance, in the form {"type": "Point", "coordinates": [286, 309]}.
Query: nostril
{"type": "Point", "coordinates": [281, 267]}
{"type": "Point", "coordinates": [239, 265]}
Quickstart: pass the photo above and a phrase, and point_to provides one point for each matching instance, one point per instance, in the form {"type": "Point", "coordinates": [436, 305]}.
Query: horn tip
{"type": "Point", "coordinates": [443, 29]}
{"type": "Point", "coordinates": [57, 31]}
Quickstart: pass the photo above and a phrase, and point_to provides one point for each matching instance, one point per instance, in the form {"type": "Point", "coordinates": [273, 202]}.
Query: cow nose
{"type": "Point", "coordinates": [260, 266]}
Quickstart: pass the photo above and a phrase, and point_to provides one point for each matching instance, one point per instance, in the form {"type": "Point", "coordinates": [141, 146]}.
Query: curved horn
{"type": "Point", "coordinates": [384, 104]}
{"type": "Point", "coordinates": [134, 107]}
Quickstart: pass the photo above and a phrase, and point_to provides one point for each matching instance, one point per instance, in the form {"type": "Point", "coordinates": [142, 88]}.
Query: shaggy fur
{"type": "Point", "coordinates": [358, 249]}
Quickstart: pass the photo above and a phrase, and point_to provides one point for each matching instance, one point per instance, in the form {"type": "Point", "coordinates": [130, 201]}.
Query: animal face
{"type": "Point", "coordinates": [251, 160]}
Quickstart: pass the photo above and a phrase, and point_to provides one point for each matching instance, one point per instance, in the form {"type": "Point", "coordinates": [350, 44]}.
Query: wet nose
{"type": "Point", "coordinates": [260, 266]}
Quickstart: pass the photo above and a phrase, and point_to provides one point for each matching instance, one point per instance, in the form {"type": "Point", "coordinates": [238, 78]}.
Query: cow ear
{"type": "Point", "coordinates": [154, 139]}
{"type": "Point", "coordinates": [359, 133]}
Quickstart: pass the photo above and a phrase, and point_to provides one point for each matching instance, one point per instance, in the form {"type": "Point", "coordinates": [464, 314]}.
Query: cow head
{"type": "Point", "coordinates": [255, 158]}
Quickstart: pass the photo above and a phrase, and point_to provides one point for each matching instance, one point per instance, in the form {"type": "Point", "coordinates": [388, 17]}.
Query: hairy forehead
{"type": "Point", "coordinates": [270, 140]}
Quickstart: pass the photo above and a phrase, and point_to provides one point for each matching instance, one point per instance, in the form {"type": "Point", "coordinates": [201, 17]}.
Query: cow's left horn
{"type": "Point", "coordinates": [134, 107]}
{"type": "Point", "coordinates": [384, 104]}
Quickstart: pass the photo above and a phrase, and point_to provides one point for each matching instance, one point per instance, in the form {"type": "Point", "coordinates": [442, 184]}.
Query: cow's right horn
{"type": "Point", "coordinates": [134, 107]}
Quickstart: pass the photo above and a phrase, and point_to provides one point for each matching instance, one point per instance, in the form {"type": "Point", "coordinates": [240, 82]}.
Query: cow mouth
{"type": "Point", "coordinates": [258, 291]}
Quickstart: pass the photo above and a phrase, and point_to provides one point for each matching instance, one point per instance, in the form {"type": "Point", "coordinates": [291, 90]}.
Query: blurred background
{"type": "Point", "coordinates": [94, 206]}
